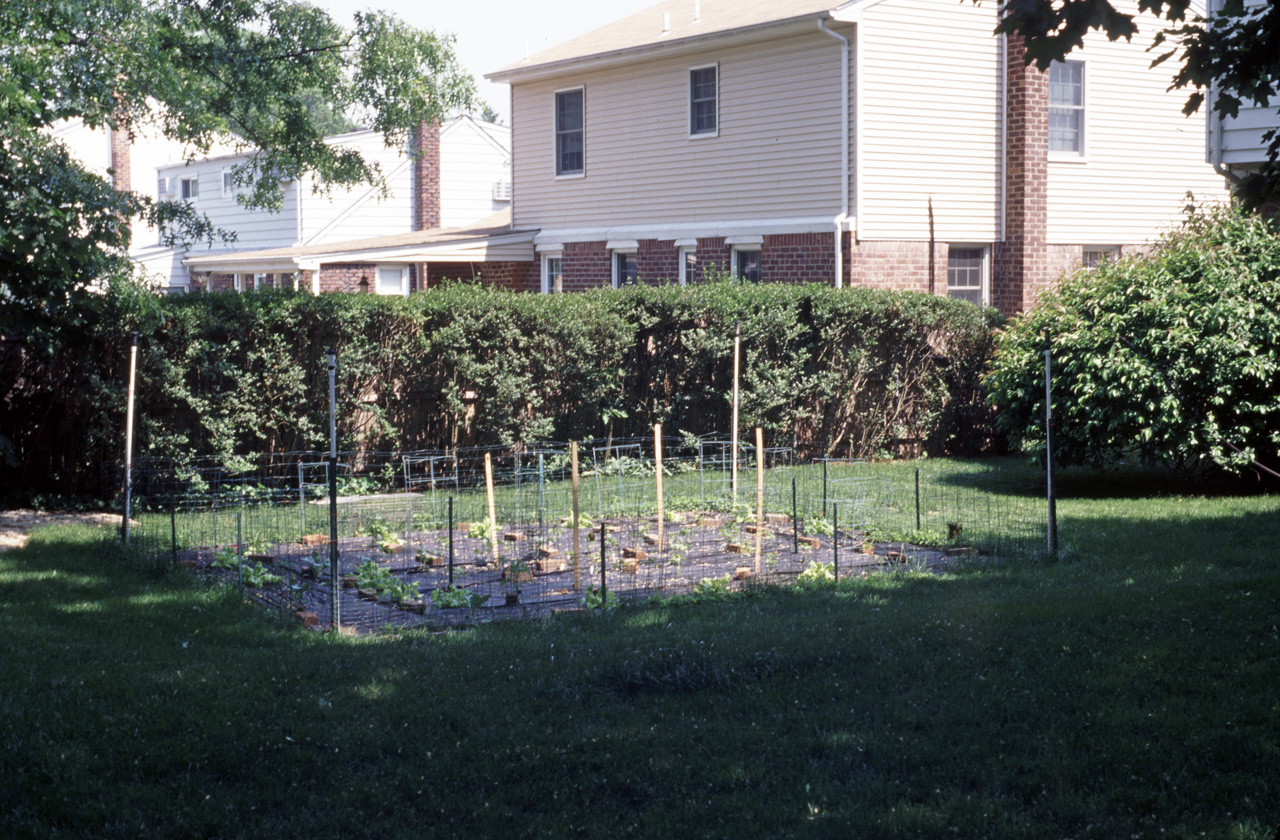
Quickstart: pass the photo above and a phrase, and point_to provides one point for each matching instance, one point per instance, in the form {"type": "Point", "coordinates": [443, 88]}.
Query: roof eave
{"type": "Point", "coordinates": [648, 51]}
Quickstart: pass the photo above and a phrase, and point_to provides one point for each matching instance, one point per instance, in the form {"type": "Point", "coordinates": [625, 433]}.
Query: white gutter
{"type": "Point", "coordinates": [1213, 118]}
{"type": "Point", "coordinates": [844, 150]}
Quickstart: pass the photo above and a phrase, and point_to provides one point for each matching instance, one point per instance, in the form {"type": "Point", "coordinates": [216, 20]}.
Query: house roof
{"type": "Point", "coordinates": [489, 239]}
{"type": "Point", "coordinates": [643, 30]}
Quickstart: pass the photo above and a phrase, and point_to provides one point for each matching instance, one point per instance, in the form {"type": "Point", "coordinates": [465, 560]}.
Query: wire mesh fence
{"type": "Point", "coordinates": [451, 537]}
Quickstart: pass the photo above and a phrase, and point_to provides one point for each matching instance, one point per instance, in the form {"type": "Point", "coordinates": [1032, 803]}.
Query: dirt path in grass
{"type": "Point", "coordinates": [15, 525]}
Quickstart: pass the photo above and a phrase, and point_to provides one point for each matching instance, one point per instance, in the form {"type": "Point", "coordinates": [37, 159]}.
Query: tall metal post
{"type": "Point", "coordinates": [733, 467]}
{"type": "Point", "coordinates": [835, 541]}
{"type": "Point", "coordinates": [917, 498]}
{"type": "Point", "coordinates": [334, 589]}
{"type": "Point", "coordinates": [1048, 446]}
{"type": "Point", "coordinates": [451, 542]}
{"type": "Point", "coordinates": [795, 518]}
{"type": "Point", "coordinates": [128, 438]}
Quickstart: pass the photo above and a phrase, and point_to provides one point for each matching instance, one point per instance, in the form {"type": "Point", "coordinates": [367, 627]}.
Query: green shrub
{"type": "Point", "coordinates": [1174, 356]}
{"type": "Point", "coordinates": [222, 375]}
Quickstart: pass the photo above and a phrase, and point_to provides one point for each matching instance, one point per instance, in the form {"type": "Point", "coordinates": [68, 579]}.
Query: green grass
{"type": "Point", "coordinates": [1128, 690]}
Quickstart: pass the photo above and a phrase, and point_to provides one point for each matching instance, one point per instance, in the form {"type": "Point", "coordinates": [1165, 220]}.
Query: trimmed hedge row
{"type": "Point", "coordinates": [843, 371]}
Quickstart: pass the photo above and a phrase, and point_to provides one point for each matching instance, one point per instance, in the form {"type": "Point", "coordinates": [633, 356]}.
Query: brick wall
{"type": "Point", "coordinates": [658, 261]}
{"type": "Point", "coordinates": [798, 258]}
{"type": "Point", "coordinates": [346, 277]}
{"type": "Point", "coordinates": [585, 265]}
{"type": "Point", "coordinates": [895, 265]}
{"type": "Point", "coordinates": [1021, 264]}
{"type": "Point", "coordinates": [120, 159]}
{"type": "Point", "coordinates": [426, 176]}
{"type": "Point", "coordinates": [209, 281]}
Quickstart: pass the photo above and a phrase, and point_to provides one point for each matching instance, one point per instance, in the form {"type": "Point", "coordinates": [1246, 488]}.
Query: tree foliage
{"type": "Point", "coordinates": [1234, 50]}
{"type": "Point", "coordinates": [1174, 356]}
{"type": "Point", "coordinates": [264, 74]}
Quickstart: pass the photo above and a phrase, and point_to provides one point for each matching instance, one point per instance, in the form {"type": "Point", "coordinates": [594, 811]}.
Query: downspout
{"type": "Point", "coordinates": [844, 150]}
{"type": "Point", "coordinates": [1215, 127]}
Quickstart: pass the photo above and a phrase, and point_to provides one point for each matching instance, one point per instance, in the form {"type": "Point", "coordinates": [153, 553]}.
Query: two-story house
{"type": "Point", "coordinates": [455, 175]}
{"type": "Point", "coordinates": [1238, 146]}
{"type": "Point", "coordinates": [887, 143]}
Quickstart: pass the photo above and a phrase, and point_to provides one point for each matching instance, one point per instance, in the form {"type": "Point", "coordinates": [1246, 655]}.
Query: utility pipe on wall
{"type": "Point", "coordinates": [844, 150]}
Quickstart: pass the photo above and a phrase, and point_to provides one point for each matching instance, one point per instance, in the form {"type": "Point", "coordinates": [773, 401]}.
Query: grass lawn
{"type": "Point", "coordinates": [1129, 690]}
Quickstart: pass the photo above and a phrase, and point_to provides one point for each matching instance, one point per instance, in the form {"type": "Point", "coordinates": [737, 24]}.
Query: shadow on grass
{"type": "Point", "coordinates": [1128, 692]}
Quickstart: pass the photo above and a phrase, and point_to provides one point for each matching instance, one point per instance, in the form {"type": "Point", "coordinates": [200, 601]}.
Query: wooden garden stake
{"type": "Point", "coordinates": [493, 514]}
{"type": "Point", "coordinates": [577, 567]}
{"type": "Point", "coordinates": [657, 477]}
{"type": "Point", "coordinates": [733, 467]}
{"type": "Point", "coordinates": [759, 493]}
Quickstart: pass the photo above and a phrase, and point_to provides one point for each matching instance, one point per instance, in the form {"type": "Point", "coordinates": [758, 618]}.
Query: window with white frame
{"type": "Point", "coordinates": [261, 281]}
{"type": "Point", "coordinates": [190, 187]}
{"type": "Point", "coordinates": [746, 264]}
{"type": "Point", "coordinates": [1066, 108]}
{"type": "Point", "coordinates": [967, 273]}
{"type": "Point", "coordinates": [552, 273]}
{"type": "Point", "coordinates": [1095, 255]}
{"type": "Point", "coordinates": [704, 117]}
{"type": "Point", "coordinates": [228, 183]}
{"type": "Point", "coordinates": [570, 132]}
{"type": "Point", "coordinates": [688, 257]}
{"type": "Point", "coordinates": [393, 280]}
{"type": "Point", "coordinates": [626, 268]}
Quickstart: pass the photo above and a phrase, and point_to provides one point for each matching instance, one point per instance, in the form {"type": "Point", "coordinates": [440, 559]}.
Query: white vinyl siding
{"type": "Point", "coordinates": [931, 121]}
{"type": "Point", "coordinates": [1144, 155]}
{"type": "Point", "coordinates": [777, 156]}
{"type": "Point", "coordinates": [344, 214]}
{"type": "Point", "coordinates": [472, 160]}
{"type": "Point", "coordinates": [1242, 143]}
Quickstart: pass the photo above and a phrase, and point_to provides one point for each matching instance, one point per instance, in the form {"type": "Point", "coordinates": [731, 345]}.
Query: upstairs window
{"type": "Point", "coordinates": [1066, 107]}
{"type": "Point", "coordinates": [703, 116]}
{"type": "Point", "coordinates": [228, 183]}
{"type": "Point", "coordinates": [570, 146]}
{"type": "Point", "coordinates": [190, 188]}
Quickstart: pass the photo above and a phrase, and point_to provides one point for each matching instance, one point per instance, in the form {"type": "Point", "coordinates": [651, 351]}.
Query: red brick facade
{"type": "Point", "coordinates": [426, 176]}
{"type": "Point", "coordinates": [1020, 264]}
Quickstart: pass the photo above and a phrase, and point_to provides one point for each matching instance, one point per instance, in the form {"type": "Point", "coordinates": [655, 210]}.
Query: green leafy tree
{"type": "Point", "coordinates": [1174, 356]}
{"type": "Point", "coordinates": [266, 74]}
{"type": "Point", "coordinates": [1233, 50]}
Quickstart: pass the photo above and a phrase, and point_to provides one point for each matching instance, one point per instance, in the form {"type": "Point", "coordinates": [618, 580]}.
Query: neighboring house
{"type": "Point", "coordinates": [459, 175]}
{"type": "Point", "coordinates": [885, 143]}
{"type": "Point", "coordinates": [129, 163]}
{"type": "Point", "coordinates": [745, 134]}
{"type": "Point", "coordinates": [1237, 145]}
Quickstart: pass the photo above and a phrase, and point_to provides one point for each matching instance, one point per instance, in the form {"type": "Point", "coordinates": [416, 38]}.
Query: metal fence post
{"type": "Point", "coordinates": [334, 589]}
{"type": "Point", "coordinates": [1048, 447]}
{"type": "Point", "coordinates": [835, 542]}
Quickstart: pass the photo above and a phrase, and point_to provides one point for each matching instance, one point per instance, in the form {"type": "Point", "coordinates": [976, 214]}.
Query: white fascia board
{"type": "Point", "coordinates": [511, 246]}
{"type": "Point", "coordinates": [230, 263]}
{"type": "Point", "coordinates": [651, 51]}
{"type": "Point", "coordinates": [852, 12]}
{"type": "Point", "coordinates": [687, 230]}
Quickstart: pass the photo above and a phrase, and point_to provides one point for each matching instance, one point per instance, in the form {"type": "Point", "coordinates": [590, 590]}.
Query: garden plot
{"type": "Point", "coordinates": [442, 577]}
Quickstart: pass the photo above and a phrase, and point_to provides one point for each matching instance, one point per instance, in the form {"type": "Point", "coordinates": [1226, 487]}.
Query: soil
{"type": "Point", "coordinates": [690, 554]}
